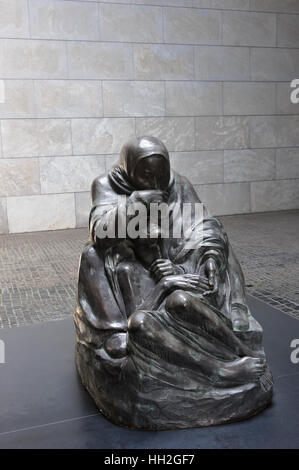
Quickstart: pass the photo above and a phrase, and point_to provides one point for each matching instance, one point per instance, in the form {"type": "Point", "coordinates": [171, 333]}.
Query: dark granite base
{"type": "Point", "coordinates": [43, 404]}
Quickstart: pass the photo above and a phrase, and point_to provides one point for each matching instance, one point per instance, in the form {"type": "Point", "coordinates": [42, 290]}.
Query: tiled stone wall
{"type": "Point", "coordinates": [209, 77]}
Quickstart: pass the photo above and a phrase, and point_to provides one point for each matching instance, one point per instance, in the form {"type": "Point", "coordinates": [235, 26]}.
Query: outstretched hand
{"type": "Point", "coordinates": [188, 282]}
{"type": "Point", "coordinates": [171, 276]}
{"type": "Point", "coordinates": [163, 267]}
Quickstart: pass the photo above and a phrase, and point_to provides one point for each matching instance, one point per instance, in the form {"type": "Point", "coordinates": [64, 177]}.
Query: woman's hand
{"type": "Point", "coordinates": [163, 267]}
{"type": "Point", "coordinates": [167, 284]}
{"type": "Point", "coordinates": [183, 281]}
{"type": "Point", "coordinates": [212, 273]}
{"type": "Point", "coordinates": [147, 197]}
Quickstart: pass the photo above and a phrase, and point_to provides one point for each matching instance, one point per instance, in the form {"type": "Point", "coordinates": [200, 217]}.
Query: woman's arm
{"type": "Point", "coordinates": [188, 282]}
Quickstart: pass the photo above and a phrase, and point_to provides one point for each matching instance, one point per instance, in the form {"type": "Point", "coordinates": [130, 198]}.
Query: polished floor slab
{"type": "Point", "coordinates": [42, 403]}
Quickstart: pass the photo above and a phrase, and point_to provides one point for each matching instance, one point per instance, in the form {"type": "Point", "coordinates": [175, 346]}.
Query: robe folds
{"type": "Point", "coordinates": [150, 375]}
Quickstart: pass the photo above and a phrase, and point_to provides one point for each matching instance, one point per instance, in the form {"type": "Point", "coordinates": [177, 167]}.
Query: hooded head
{"type": "Point", "coordinates": [144, 164]}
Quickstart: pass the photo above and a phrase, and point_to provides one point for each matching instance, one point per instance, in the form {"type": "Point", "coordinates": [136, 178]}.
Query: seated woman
{"type": "Point", "coordinates": [164, 335]}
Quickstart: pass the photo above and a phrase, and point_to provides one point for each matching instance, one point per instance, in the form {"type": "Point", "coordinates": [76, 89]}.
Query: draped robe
{"type": "Point", "coordinates": [159, 376]}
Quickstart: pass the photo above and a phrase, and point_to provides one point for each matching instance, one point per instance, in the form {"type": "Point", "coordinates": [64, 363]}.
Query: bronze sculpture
{"type": "Point", "coordinates": [164, 336]}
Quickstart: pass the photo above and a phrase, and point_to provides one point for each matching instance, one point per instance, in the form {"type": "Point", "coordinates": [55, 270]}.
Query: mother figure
{"type": "Point", "coordinates": [164, 337]}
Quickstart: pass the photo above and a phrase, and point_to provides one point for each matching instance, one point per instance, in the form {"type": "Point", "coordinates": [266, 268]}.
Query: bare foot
{"type": "Point", "coordinates": [243, 370]}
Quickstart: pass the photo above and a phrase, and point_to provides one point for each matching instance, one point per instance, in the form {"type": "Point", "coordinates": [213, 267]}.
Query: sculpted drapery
{"type": "Point", "coordinates": [165, 338]}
